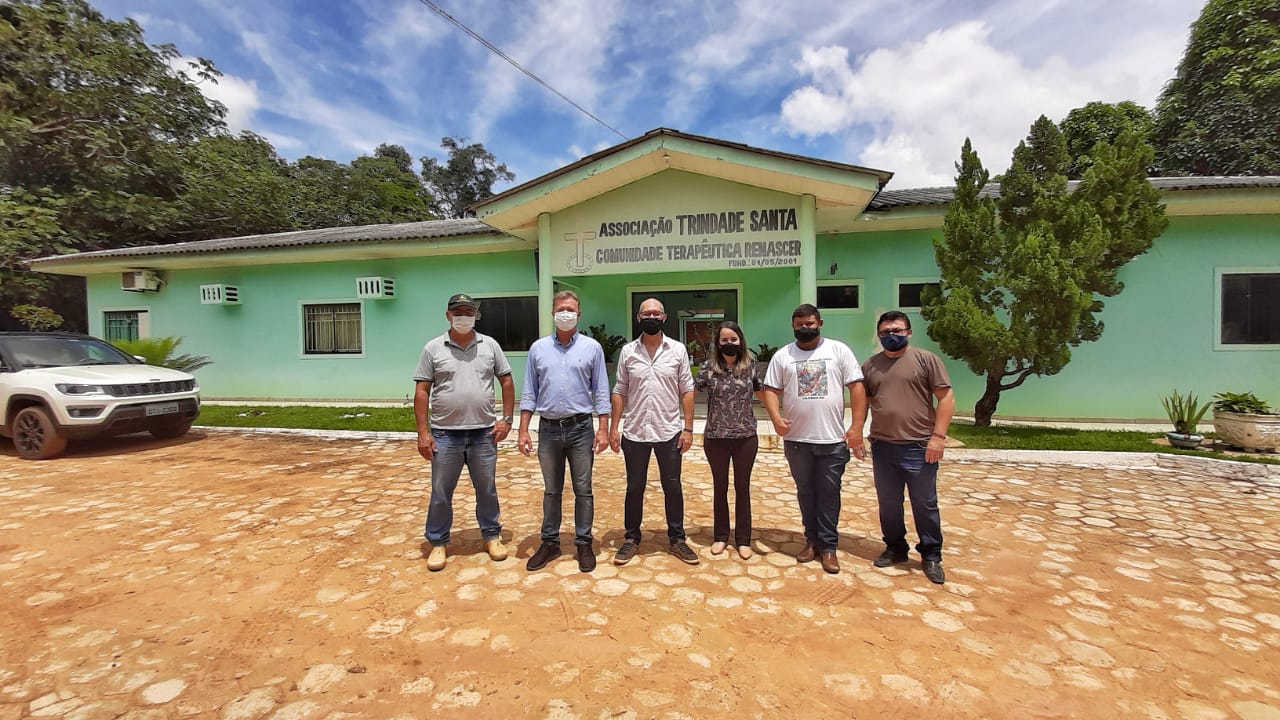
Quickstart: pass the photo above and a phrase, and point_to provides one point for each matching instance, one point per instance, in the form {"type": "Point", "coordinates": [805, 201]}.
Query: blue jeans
{"type": "Point", "coordinates": [558, 444]}
{"type": "Point", "coordinates": [817, 469]}
{"type": "Point", "coordinates": [901, 465]}
{"type": "Point", "coordinates": [635, 454]}
{"type": "Point", "coordinates": [479, 453]}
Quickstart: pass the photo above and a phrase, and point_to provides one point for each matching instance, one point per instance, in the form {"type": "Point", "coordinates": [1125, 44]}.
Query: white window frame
{"type": "Point", "coordinates": [302, 329]}
{"type": "Point", "coordinates": [859, 283]}
{"type": "Point", "coordinates": [897, 291]}
{"type": "Point", "coordinates": [144, 318]}
{"type": "Point", "coordinates": [1218, 345]}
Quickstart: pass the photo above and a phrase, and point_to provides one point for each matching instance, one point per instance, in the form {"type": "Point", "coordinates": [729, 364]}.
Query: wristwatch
{"type": "Point", "coordinates": [507, 420]}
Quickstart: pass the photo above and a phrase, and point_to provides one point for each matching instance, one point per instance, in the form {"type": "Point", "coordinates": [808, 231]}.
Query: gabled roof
{"type": "Point", "coordinates": [840, 188]}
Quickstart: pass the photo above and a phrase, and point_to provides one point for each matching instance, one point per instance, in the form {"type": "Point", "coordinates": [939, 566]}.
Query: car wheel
{"type": "Point", "coordinates": [170, 428]}
{"type": "Point", "coordinates": [35, 436]}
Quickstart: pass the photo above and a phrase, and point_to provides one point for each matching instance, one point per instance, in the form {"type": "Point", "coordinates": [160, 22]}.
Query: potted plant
{"type": "Point", "coordinates": [1185, 412]}
{"type": "Point", "coordinates": [1243, 420]}
{"type": "Point", "coordinates": [764, 353]}
{"type": "Point", "coordinates": [611, 343]}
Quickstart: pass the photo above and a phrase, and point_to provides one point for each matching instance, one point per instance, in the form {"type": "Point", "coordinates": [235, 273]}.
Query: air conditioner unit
{"type": "Point", "coordinates": [140, 281]}
{"type": "Point", "coordinates": [219, 295]}
{"type": "Point", "coordinates": [377, 288]}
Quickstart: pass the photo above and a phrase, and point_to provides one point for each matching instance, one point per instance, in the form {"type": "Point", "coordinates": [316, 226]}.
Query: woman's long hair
{"type": "Point", "coordinates": [746, 359]}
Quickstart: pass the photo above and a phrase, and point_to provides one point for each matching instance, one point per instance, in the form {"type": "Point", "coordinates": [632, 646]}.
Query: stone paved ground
{"type": "Point", "coordinates": [249, 576]}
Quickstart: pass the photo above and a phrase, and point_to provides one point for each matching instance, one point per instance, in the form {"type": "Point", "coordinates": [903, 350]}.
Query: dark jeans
{"type": "Point", "coordinates": [817, 469]}
{"type": "Point", "coordinates": [742, 451]}
{"type": "Point", "coordinates": [558, 444]}
{"type": "Point", "coordinates": [476, 450]}
{"type": "Point", "coordinates": [901, 465]}
{"type": "Point", "coordinates": [636, 456]}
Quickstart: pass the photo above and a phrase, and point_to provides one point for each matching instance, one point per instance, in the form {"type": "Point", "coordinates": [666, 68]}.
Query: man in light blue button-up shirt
{"type": "Point", "coordinates": [565, 383]}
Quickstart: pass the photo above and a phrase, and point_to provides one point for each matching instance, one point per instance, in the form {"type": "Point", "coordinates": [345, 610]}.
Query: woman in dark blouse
{"type": "Point", "coordinates": [729, 380]}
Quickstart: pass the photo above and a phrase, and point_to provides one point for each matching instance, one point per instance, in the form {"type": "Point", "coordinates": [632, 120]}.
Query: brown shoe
{"type": "Point", "coordinates": [685, 553]}
{"type": "Point", "coordinates": [436, 560]}
{"type": "Point", "coordinates": [808, 554]}
{"type": "Point", "coordinates": [586, 558]}
{"type": "Point", "coordinates": [829, 561]}
{"type": "Point", "coordinates": [547, 552]}
{"type": "Point", "coordinates": [497, 551]}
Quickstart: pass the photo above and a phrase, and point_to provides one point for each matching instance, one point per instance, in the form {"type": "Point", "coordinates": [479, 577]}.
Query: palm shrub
{"type": "Point", "coordinates": [1184, 411]}
{"type": "Point", "coordinates": [160, 352]}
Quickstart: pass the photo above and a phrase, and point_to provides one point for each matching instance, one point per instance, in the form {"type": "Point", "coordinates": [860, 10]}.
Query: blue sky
{"type": "Point", "coordinates": [886, 84]}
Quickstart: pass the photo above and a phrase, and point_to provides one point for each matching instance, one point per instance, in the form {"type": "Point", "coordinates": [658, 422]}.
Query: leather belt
{"type": "Point", "coordinates": [568, 421]}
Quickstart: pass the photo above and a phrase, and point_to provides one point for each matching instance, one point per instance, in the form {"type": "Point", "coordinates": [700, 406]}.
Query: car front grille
{"type": "Point", "coordinates": [152, 388]}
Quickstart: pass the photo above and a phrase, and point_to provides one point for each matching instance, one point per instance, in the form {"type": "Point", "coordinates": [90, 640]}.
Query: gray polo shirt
{"type": "Point", "coordinates": [462, 381]}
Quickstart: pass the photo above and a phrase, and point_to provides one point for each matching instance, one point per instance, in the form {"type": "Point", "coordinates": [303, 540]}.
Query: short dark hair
{"type": "Point", "coordinates": [892, 315]}
{"type": "Point", "coordinates": [805, 310]}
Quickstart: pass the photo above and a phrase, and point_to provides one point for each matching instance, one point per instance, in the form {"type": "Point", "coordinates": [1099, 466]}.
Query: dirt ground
{"type": "Point", "coordinates": [241, 576]}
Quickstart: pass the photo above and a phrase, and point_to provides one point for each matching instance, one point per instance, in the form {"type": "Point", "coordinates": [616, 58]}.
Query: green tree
{"type": "Point", "coordinates": [1023, 275]}
{"type": "Point", "coordinates": [1085, 127]}
{"type": "Point", "coordinates": [233, 186]}
{"type": "Point", "coordinates": [91, 120]}
{"type": "Point", "coordinates": [467, 177]}
{"type": "Point", "coordinates": [1219, 115]}
{"type": "Point", "coordinates": [371, 189]}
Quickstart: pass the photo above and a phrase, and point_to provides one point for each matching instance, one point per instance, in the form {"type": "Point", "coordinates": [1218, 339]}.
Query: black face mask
{"type": "Point", "coordinates": [806, 334]}
{"type": "Point", "coordinates": [650, 326]}
{"type": "Point", "coordinates": [730, 350]}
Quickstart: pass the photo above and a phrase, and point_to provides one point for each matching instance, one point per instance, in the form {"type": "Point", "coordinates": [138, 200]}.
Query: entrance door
{"type": "Point", "coordinates": [692, 314]}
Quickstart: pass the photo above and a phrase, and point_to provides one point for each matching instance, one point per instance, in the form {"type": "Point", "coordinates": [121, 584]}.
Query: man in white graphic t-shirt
{"type": "Point", "coordinates": [805, 396]}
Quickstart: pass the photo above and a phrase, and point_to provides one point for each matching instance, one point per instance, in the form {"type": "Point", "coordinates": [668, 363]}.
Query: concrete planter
{"type": "Point", "coordinates": [1254, 433]}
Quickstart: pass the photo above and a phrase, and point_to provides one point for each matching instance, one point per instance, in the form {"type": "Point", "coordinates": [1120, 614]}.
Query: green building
{"type": "Point", "coordinates": [716, 230]}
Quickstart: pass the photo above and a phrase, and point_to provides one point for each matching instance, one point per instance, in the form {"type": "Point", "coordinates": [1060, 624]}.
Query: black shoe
{"type": "Point", "coordinates": [626, 552]}
{"type": "Point", "coordinates": [933, 571]}
{"type": "Point", "coordinates": [548, 552]}
{"type": "Point", "coordinates": [682, 550]}
{"type": "Point", "coordinates": [586, 558]}
{"type": "Point", "coordinates": [889, 557]}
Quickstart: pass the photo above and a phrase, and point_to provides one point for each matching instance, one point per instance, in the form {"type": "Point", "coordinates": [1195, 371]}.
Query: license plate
{"type": "Point", "coordinates": [162, 409]}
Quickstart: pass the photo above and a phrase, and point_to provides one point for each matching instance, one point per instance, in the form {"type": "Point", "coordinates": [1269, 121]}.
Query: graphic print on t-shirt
{"type": "Point", "coordinates": [811, 379]}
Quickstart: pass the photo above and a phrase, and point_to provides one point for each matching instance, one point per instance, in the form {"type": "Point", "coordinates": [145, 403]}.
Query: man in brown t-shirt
{"type": "Point", "coordinates": [908, 437]}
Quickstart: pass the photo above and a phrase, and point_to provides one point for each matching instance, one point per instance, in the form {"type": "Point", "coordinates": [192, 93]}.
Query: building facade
{"type": "Point", "coordinates": [717, 231]}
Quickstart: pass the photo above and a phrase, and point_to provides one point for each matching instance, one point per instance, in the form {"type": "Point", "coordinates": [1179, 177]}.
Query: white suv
{"type": "Point", "coordinates": [56, 386]}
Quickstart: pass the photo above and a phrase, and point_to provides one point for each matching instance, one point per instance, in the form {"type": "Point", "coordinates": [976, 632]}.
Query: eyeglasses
{"type": "Point", "coordinates": [894, 331]}
{"type": "Point", "coordinates": [657, 315]}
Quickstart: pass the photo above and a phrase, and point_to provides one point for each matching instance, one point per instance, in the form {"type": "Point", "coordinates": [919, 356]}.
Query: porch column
{"type": "Point", "coordinates": [546, 288]}
{"type": "Point", "coordinates": [808, 251]}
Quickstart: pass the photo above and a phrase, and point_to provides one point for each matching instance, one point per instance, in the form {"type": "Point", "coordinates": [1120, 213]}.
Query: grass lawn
{"type": "Point", "coordinates": [401, 419]}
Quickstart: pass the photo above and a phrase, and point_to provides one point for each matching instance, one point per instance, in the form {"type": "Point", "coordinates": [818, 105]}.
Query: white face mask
{"type": "Point", "coordinates": [566, 320]}
{"type": "Point", "coordinates": [462, 324]}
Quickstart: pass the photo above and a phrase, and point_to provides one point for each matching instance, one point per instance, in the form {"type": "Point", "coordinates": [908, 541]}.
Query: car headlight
{"type": "Point", "coordinates": [78, 389]}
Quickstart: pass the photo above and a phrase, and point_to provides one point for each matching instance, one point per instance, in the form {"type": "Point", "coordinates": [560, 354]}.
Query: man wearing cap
{"type": "Point", "coordinates": [565, 382]}
{"type": "Point", "coordinates": [455, 391]}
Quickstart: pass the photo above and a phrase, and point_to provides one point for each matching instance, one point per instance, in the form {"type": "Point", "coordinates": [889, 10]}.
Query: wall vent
{"type": "Point", "coordinates": [219, 295]}
{"type": "Point", "coordinates": [377, 288]}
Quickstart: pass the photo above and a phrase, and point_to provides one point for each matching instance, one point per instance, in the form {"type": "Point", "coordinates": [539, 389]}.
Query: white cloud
{"type": "Point", "coordinates": [239, 96]}
{"type": "Point", "coordinates": [920, 100]}
{"type": "Point", "coordinates": [566, 43]}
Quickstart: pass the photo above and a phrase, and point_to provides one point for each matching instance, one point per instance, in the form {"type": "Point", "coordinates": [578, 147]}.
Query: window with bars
{"type": "Point", "coordinates": [120, 325]}
{"type": "Point", "coordinates": [332, 329]}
